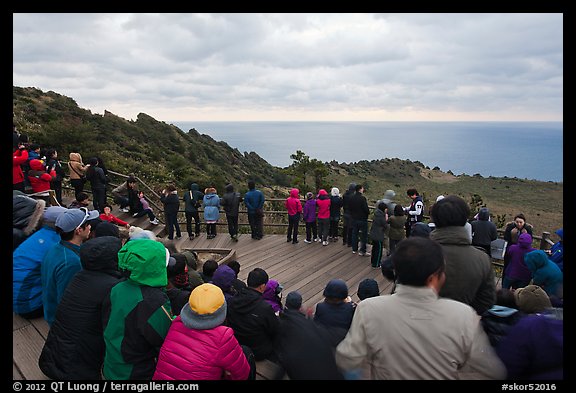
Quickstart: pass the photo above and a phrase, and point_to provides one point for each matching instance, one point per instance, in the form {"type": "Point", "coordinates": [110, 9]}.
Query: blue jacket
{"type": "Point", "coordinates": [254, 199]}
{"type": "Point", "coordinates": [545, 273]}
{"type": "Point", "coordinates": [211, 204]}
{"type": "Point", "coordinates": [26, 262]}
{"type": "Point", "coordinates": [60, 264]}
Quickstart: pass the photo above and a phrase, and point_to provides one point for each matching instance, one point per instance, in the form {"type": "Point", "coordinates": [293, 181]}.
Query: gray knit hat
{"type": "Point", "coordinates": [206, 308]}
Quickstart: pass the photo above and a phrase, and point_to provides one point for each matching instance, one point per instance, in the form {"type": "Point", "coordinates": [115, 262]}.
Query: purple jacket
{"type": "Point", "coordinates": [516, 268]}
{"type": "Point", "coordinates": [271, 297]}
{"type": "Point", "coordinates": [533, 348]}
{"type": "Point", "coordinates": [309, 213]}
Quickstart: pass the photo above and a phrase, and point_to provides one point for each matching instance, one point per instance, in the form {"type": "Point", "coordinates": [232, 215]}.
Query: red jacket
{"type": "Point", "coordinates": [211, 354]}
{"type": "Point", "coordinates": [19, 157]}
{"type": "Point", "coordinates": [112, 218]}
{"type": "Point", "coordinates": [39, 179]}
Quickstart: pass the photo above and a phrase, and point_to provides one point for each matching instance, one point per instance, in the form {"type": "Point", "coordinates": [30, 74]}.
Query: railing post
{"type": "Point", "coordinates": [543, 241]}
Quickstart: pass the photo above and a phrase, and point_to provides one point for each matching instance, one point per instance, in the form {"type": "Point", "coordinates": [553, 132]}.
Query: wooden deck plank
{"type": "Point", "coordinates": [41, 326]}
{"type": "Point", "coordinates": [27, 344]}
{"type": "Point", "coordinates": [16, 376]}
{"type": "Point", "coordinates": [18, 322]}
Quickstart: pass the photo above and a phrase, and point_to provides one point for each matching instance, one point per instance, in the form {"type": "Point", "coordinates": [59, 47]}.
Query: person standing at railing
{"type": "Point", "coordinates": [335, 208]}
{"type": "Point", "coordinates": [171, 202]}
{"type": "Point", "coordinates": [211, 204]}
{"type": "Point", "coordinates": [19, 157]}
{"type": "Point", "coordinates": [309, 215]}
{"type": "Point", "coordinates": [294, 208]}
{"type": "Point", "coordinates": [77, 171]}
{"type": "Point", "coordinates": [95, 175]}
{"type": "Point", "coordinates": [347, 220]}
{"type": "Point", "coordinates": [231, 203]}
{"type": "Point", "coordinates": [323, 203]}
{"type": "Point", "coordinates": [254, 201]}
{"type": "Point", "coordinates": [53, 164]}
{"type": "Point", "coordinates": [192, 202]}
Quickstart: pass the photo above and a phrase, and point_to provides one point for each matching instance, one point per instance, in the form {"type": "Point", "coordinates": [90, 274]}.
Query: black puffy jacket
{"type": "Point", "coordinates": [75, 346]}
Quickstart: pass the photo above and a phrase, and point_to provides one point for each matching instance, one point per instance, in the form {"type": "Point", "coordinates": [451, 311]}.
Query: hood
{"type": "Point", "coordinates": [229, 188]}
{"type": "Point", "coordinates": [75, 157]}
{"type": "Point", "coordinates": [210, 196]}
{"type": "Point", "coordinates": [560, 232]}
{"type": "Point", "coordinates": [194, 187]}
{"type": "Point", "coordinates": [145, 259]}
{"type": "Point", "coordinates": [389, 194]}
{"type": "Point", "coordinates": [322, 192]}
{"type": "Point", "coordinates": [420, 229]}
{"type": "Point", "coordinates": [535, 260]}
{"type": "Point", "coordinates": [27, 213]}
{"type": "Point", "coordinates": [352, 187]}
{"type": "Point", "coordinates": [525, 240]}
{"type": "Point", "coordinates": [270, 290]}
{"type": "Point", "coordinates": [100, 253]}
{"type": "Point", "coordinates": [37, 165]}
{"type": "Point", "coordinates": [378, 213]}
{"type": "Point", "coordinates": [295, 193]}
{"type": "Point", "coordinates": [335, 191]}
{"type": "Point", "coordinates": [223, 277]}
{"type": "Point", "coordinates": [484, 214]}
{"type": "Point", "coordinates": [368, 288]}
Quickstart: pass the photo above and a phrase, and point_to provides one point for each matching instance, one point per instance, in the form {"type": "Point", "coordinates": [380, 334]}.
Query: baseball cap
{"type": "Point", "coordinates": [73, 218]}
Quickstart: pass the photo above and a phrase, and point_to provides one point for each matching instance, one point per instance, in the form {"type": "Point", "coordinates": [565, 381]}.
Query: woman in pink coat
{"type": "Point", "coordinates": [197, 346]}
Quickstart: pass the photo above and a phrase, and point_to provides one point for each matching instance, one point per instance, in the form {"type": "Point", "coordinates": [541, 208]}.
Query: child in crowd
{"type": "Point", "coordinates": [143, 207]}
{"type": "Point", "coordinates": [108, 216]}
{"type": "Point", "coordinates": [211, 203]}
{"type": "Point", "coordinates": [309, 213]}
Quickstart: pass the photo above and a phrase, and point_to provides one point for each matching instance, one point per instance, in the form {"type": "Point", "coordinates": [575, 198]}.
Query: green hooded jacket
{"type": "Point", "coordinates": [136, 313]}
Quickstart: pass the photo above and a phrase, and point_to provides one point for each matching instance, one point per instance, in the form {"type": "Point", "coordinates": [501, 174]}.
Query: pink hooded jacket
{"type": "Point", "coordinates": [293, 204]}
{"type": "Point", "coordinates": [210, 354]}
{"type": "Point", "coordinates": [323, 203]}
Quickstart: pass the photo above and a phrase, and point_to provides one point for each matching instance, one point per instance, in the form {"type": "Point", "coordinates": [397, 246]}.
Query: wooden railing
{"type": "Point", "coordinates": [544, 240]}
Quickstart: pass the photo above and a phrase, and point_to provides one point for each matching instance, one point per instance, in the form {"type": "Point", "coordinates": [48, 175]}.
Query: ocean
{"type": "Point", "coordinates": [526, 150]}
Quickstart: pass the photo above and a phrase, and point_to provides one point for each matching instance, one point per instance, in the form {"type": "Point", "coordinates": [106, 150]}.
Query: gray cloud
{"type": "Point", "coordinates": [366, 66]}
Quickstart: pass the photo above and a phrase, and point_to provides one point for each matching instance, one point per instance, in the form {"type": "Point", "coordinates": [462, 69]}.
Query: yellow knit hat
{"type": "Point", "coordinates": [206, 308]}
{"type": "Point", "coordinates": [206, 299]}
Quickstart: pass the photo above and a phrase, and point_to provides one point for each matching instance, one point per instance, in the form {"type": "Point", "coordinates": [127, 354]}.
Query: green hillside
{"type": "Point", "coordinates": [161, 153]}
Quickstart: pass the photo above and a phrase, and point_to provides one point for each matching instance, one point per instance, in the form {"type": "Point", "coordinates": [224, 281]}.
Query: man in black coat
{"type": "Point", "coordinates": [75, 346]}
{"type": "Point", "coordinates": [303, 346]}
{"type": "Point", "coordinates": [359, 212]}
{"type": "Point", "coordinates": [252, 318]}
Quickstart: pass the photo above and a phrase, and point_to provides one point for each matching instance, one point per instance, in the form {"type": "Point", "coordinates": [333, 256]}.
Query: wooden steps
{"type": "Point", "coordinates": [304, 267]}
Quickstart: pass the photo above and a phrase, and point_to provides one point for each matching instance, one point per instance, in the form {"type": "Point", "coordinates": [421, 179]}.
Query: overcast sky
{"type": "Point", "coordinates": [357, 67]}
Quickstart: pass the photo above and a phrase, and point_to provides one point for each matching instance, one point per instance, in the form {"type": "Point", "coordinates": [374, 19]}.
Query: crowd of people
{"type": "Point", "coordinates": [123, 306]}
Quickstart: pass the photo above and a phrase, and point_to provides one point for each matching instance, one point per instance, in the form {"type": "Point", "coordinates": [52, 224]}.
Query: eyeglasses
{"type": "Point", "coordinates": [86, 215]}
